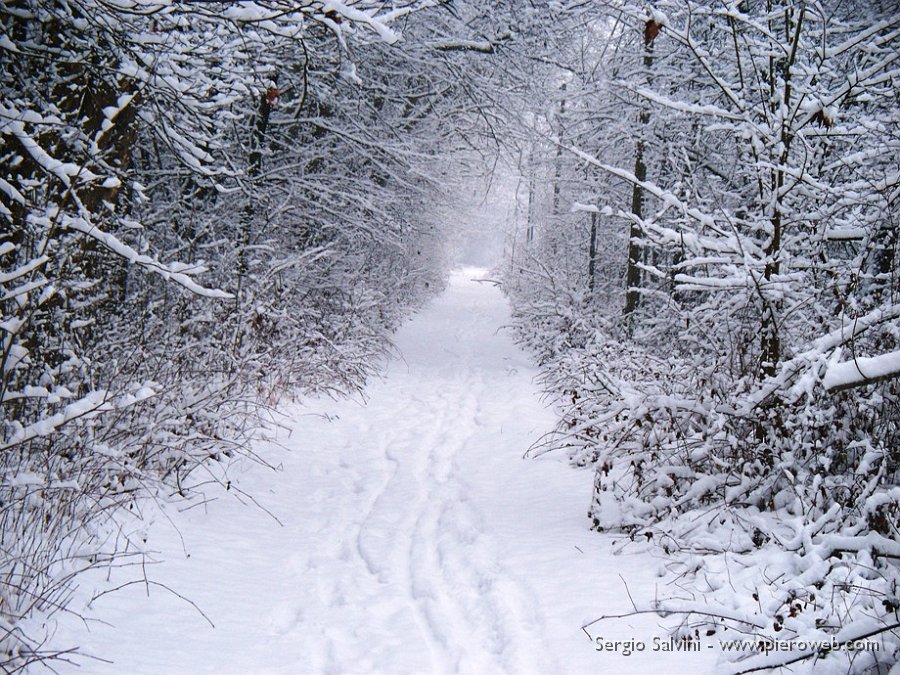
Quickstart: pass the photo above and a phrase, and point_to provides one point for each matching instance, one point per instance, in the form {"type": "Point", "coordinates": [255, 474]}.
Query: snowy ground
{"type": "Point", "coordinates": [413, 539]}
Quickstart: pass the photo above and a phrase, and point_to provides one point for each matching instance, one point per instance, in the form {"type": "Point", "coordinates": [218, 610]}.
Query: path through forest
{"type": "Point", "coordinates": [414, 538]}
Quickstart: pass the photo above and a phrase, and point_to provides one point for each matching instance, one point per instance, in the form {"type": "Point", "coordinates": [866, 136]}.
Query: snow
{"type": "Point", "coordinates": [12, 324]}
{"type": "Point", "coordinates": [483, 46]}
{"type": "Point", "coordinates": [15, 354]}
{"type": "Point", "coordinates": [173, 271]}
{"type": "Point", "coordinates": [92, 403]}
{"type": "Point", "coordinates": [411, 536]}
{"type": "Point", "coordinates": [670, 199]}
{"type": "Point", "coordinates": [861, 370]}
{"type": "Point", "coordinates": [375, 23]}
{"type": "Point", "coordinates": [7, 44]}
{"type": "Point", "coordinates": [683, 106]}
{"type": "Point", "coordinates": [586, 208]}
{"type": "Point", "coordinates": [30, 266]}
{"type": "Point", "coordinates": [13, 194]}
{"type": "Point", "coordinates": [845, 233]}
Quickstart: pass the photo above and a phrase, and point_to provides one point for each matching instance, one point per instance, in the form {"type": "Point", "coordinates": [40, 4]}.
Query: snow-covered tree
{"type": "Point", "coordinates": [753, 378]}
{"type": "Point", "coordinates": [204, 207]}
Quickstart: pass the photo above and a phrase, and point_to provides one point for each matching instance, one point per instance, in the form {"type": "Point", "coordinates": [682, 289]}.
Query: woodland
{"type": "Point", "coordinates": [208, 208]}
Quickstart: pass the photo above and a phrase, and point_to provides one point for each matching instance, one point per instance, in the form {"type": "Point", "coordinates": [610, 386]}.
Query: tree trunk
{"type": "Point", "coordinates": [770, 341]}
{"type": "Point", "coordinates": [557, 170]}
{"type": "Point", "coordinates": [592, 254]}
{"type": "Point", "coordinates": [529, 230]}
{"type": "Point", "coordinates": [245, 233]}
{"type": "Point", "coordinates": [633, 272]}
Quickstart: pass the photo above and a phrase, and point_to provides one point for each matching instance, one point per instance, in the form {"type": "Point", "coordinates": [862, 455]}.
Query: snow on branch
{"type": "Point", "coordinates": [483, 46]}
{"type": "Point", "coordinates": [682, 106]}
{"type": "Point", "coordinates": [176, 272]}
{"type": "Point", "coordinates": [578, 207]}
{"type": "Point", "coordinates": [21, 271]}
{"type": "Point", "coordinates": [370, 19]}
{"type": "Point", "coordinates": [862, 371]}
{"type": "Point", "coordinates": [703, 218]}
{"type": "Point", "coordinates": [64, 171]}
{"type": "Point", "coordinates": [813, 359]}
{"type": "Point", "coordinates": [726, 242]}
{"type": "Point", "coordinates": [90, 405]}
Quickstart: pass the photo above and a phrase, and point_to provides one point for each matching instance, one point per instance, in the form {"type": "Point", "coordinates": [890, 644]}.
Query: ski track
{"type": "Point", "coordinates": [415, 539]}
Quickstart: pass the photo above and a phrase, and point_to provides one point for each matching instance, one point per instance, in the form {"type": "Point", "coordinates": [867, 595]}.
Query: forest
{"type": "Point", "coordinates": [212, 208]}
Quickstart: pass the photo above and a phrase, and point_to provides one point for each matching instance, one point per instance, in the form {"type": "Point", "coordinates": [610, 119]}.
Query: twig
{"type": "Point", "coordinates": [161, 585]}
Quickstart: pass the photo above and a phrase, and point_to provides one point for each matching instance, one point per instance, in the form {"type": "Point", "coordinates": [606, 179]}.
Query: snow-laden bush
{"type": "Point", "coordinates": [777, 503]}
{"type": "Point", "coordinates": [172, 264]}
{"type": "Point", "coordinates": [742, 413]}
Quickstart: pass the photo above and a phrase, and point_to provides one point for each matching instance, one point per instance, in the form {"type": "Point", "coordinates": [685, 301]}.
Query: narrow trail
{"type": "Point", "coordinates": [414, 538]}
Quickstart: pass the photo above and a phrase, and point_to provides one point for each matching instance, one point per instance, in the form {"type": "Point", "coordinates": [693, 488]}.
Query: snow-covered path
{"type": "Point", "coordinates": [413, 537]}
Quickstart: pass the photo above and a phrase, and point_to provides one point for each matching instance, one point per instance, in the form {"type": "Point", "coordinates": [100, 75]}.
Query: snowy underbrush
{"type": "Point", "coordinates": [154, 407]}
{"type": "Point", "coordinates": [777, 503]}
{"type": "Point", "coordinates": [184, 240]}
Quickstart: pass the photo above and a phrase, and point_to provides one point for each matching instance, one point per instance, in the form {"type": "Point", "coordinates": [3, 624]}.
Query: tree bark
{"type": "Point", "coordinates": [633, 272]}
